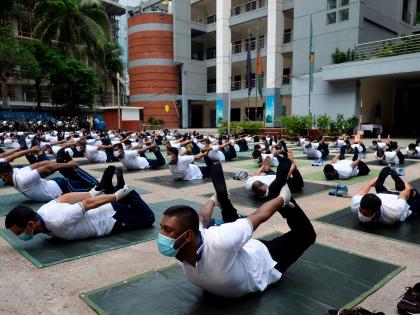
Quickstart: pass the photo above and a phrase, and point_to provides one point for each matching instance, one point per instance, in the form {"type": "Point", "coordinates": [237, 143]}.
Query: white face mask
{"type": "Point", "coordinates": [117, 154]}
{"type": "Point", "coordinates": [78, 148]}
{"type": "Point", "coordinates": [362, 218]}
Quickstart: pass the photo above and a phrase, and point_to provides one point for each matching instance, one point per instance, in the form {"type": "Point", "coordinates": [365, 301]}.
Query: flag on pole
{"type": "Point", "coordinates": [249, 69]}
{"type": "Point", "coordinates": [311, 59]}
{"type": "Point", "coordinates": [260, 75]}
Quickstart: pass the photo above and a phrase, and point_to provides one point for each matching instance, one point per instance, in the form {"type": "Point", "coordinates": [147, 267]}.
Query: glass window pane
{"type": "Point", "coordinates": [344, 15]}
{"type": "Point", "coordinates": [344, 3]}
{"type": "Point", "coordinates": [331, 18]}
{"type": "Point", "coordinates": [331, 4]}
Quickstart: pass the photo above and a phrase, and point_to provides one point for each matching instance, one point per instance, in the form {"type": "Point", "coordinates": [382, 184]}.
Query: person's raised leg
{"type": "Point", "coordinates": [356, 154]}
{"type": "Point", "coordinates": [132, 213]}
{"type": "Point", "coordinates": [400, 156]}
{"type": "Point", "coordinates": [363, 169]}
{"type": "Point", "coordinates": [281, 177]}
{"type": "Point", "coordinates": [229, 213]}
{"type": "Point", "coordinates": [160, 160]}
{"type": "Point", "coordinates": [379, 185]}
{"type": "Point", "coordinates": [342, 153]}
{"type": "Point", "coordinates": [399, 183]}
{"type": "Point", "coordinates": [286, 249]}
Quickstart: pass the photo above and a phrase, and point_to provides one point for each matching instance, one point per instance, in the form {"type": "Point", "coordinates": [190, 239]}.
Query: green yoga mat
{"type": "Point", "coordinates": [354, 180]}
{"type": "Point", "coordinates": [408, 231]}
{"type": "Point", "coordinates": [241, 196]}
{"type": "Point", "coordinates": [169, 181]}
{"type": "Point", "coordinates": [8, 202]}
{"type": "Point", "coordinates": [127, 171]}
{"type": "Point", "coordinates": [255, 166]}
{"type": "Point", "coordinates": [43, 251]}
{"type": "Point", "coordinates": [406, 163]}
{"type": "Point", "coordinates": [323, 278]}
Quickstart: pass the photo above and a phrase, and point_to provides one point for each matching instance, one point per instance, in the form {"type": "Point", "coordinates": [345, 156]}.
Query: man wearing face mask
{"type": "Point", "coordinates": [386, 207]}
{"type": "Point", "coordinates": [340, 168]}
{"type": "Point", "coordinates": [225, 260]}
{"type": "Point", "coordinates": [183, 167]}
{"type": "Point", "coordinates": [82, 215]}
{"type": "Point", "coordinates": [135, 159]}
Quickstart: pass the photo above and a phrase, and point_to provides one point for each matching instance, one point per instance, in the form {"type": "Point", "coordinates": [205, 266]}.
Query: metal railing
{"type": "Point", "coordinates": [248, 7]}
{"type": "Point", "coordinates": [243, 47]}
{"type": "Point", "coordinates": [204, 19]}
{"type": "Point", "coordinates": [388, 47]}
{"type": "Point", "coordinates": [287, 37]}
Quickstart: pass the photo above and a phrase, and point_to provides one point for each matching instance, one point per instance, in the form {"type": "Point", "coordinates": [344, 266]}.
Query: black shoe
{"type": "Point", "coordinates": [354, 311]}
{"type": "Point", "coordinates": [106, 180]}
{"type": "Point", "coordinates": [120, 178]}
{"type": "Point", "coordinates": [410, 303]}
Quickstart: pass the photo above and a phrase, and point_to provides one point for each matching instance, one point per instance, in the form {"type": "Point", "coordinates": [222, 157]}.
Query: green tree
{"type": "Point", "coordinates": [75, 85]}
{"type": "Point", "coordinates": [79, 26]}
{"type": "Point", "coordinates": [16, 61]}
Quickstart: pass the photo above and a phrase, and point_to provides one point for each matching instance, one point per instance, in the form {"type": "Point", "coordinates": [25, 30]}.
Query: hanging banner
{"type": "Point", "coordinates": [269, 111]}
{"type": "Point", "coordinates": [219, 113]}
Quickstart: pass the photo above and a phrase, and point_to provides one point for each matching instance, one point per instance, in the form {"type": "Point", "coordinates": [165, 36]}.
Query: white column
{"type": "Point", "coordinates": [223, 39]}
{"type": "Point", "coordinates": [275, 30]}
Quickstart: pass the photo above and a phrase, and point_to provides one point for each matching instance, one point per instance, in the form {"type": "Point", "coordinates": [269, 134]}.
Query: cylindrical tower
{"type": "Point", "coordinates": [154, 78]}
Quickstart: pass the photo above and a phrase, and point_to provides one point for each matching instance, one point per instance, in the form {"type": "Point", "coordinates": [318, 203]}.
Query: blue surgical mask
{"type": "Point", "coordinates": [2, 183]}
{"type": "Point", "coordinates": [25, 236]}
{"type": "Point", "coordinates": [166, 245]}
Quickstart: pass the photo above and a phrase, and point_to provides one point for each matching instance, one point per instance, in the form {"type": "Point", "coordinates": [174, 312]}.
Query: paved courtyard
{"type": "Point", "coordinates": [26, 289]}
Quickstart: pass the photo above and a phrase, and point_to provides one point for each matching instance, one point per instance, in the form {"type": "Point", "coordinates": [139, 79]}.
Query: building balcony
{"type": "Point", "coordinates": [388, 48]}
{"type": "Point", "coordinates": [249, 11]}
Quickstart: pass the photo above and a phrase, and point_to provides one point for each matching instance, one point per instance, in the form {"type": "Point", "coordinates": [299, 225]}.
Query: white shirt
{"type": "Point", "coordinates": [70, 221]}
{"type": "Point", "coordinates": [232, 264]}
{"type": "Point", "coordinates": [273, 161]}
{"type": "Point", "coordinates": [215, 154]}
{"type": "Point", "coordinates": [31, 185]}
{"type": "Point", "coordinates": [94, 155]}
{"type": "Point", "coordinates": [133, 161]}
{"type": "Point", "coordinates": [393, 209]}
{"type": "Point", "coordinates": [184, 169]}
{"type": "Point", "coordinates": [345, 170]}
{"type": "Point", "coordinates": [390, 157]}
{"type": "Point", "coordinates": [265, 179]}
{"type": "Point", "coordinates": [413, 154]}
{"type": "Point", "coordinates": [313, 152]}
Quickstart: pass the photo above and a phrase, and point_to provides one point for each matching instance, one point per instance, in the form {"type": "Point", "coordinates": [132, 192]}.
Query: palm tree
{"type": "Point", "coordinates": [78, 26]}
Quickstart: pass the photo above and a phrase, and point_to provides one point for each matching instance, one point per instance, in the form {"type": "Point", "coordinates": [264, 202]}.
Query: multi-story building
{"type": "Point", "coordinates": [199, 65]}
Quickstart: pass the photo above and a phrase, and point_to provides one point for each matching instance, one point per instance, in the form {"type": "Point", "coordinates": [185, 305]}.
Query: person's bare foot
{"type": "Point", "coordinates": [152, 147]}
{"type": "Point", "coordinates": [290, 155]}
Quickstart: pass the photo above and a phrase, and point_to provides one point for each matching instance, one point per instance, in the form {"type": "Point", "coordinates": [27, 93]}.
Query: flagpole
{"type": "Point", "coordinates": [311, 65]}
{"type": "Point", "coordinates": [230, 89]}
{"type": "Point", "coordinates": [249, 48]}
{"type": "Point", "coordinates": [256, 76]}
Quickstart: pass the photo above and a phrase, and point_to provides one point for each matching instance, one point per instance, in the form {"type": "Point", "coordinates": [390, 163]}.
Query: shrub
{"type": "Point", "coordinates": [252, 127]}
{"type": "Point", "coordinates": [323, 122]}
{"type": "Point", "coordinates": [235, 127]}
{"type": "Point", "coordinates": [155, 121]}
{"type": "Point", "coordinates": [339, 56]}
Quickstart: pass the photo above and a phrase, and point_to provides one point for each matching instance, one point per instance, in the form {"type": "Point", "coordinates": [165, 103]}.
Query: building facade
{"type": "Point", "coordinates": [210, 44]}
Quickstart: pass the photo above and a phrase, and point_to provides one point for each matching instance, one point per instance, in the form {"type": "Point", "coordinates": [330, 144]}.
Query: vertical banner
{"type": "Point", "coordinates": [219, 113]}
{"type": "Point", "coordinates": [269, 111]}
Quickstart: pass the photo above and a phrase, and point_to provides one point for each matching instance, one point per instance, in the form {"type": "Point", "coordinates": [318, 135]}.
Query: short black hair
{"type": "Point", "coordinates": [256, 154]}
{"type": "Point", "coordinates": [371, 202]}
{"type": "Point", "coordinates": [186, 216]}
{"type": "Point", "coordinates": [173, 150]}
{"type": "Point", "coordinates": [256, 185]}
{"type": "Point", "coordinates": [127, 142]}
{"type": "Point", "coordinates": [380, 152]}
{"type": "Point", "coordinates": [5, 168]}
{"type": "Point", "coordinates": [412, 146]}
{"type": "Point", "coordinates": [329, 169]}
{"type": "Point", "coordinates": [20, 216]}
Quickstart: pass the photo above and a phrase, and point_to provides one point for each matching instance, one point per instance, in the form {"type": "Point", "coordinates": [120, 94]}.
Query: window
{"type": "Point", "coordinates": [252, 40]}
{"type": "Point", "coordinates": [331, 18]}
{"type": "Point", "coordinates": [343, 15]}
{"type": "Point", "coordinates": [343, 3]}
{"type": "Point", "coordinates": [331, 4]}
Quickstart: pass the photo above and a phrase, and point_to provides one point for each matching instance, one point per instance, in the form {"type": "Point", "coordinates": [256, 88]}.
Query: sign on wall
{"type": "Point", "coordinates": [219, 112]}
{"type": "Point", "coordinates": [269, 111]}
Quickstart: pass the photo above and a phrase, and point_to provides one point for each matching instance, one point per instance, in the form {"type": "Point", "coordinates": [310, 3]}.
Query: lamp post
{"type": "Point", "coordinates": [118, 101]}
